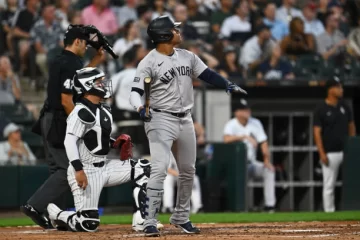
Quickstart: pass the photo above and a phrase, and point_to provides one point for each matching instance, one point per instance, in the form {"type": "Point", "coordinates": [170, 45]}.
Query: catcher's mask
{"type": "Point", "coordinates": [92, 81]}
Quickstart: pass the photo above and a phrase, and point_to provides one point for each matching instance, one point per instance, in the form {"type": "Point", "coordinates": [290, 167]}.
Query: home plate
{"type": "Point", "coordinates": [301, 230]}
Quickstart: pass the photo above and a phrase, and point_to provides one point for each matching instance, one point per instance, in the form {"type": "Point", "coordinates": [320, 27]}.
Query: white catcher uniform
{"type": "Point", "coordinates": [169, 183]}
{"type": "Point", "coordinates": [88, 139]}
{"type": "Point", "coordinates": [256, 168]}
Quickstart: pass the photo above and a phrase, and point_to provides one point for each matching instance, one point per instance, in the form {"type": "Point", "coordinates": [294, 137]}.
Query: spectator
{"type": "Point", "coordinates": [9, 81]}
{"type": "Point", "coordinates": [287, 11]}
{"type": "Point", "coordinates": [332, 42]}
{"type": "Point", "coordinates": [333, 124]}
{"type": "Point", "coordinates": [126, 12]}
{"type": "Point", "coordinates": [275, 68]}
{"type": "Point", "coordinates": [101, 16]}
{"type": "Point", "coordinates": [75, 18]}
{"type": "Point", "coordinates": [188, 31]}
{"type": "Point", "coordinates": [354, 41]}
{"type": "Point", "coordinates": [239, 22]}
{"type": "Point", "coordinates": [218, 17]}
{"type": "Point", "coordinates": [144, 13]}
{"type": "Point", "coordinates": [62, 13]}
{"type": "Point", "coordinates": [256, 49]}
{"type": "Point", "coordinates": [197, 48]}
{"type": "Point", "coordinates": [14, 151]}
{"type": "Point", "coordinates": [278, 29]}
{"type": "Point", "coordinates": [160, 9]}
{"type": "Point", "coordinates": [122, 109]}
{"type": "Point", "coordinates": [131, 37]}
{"type": "Point", "coordinates": [193, 11]}
{"type": "Point", "coordinates": [297, 42]}
{"type": "Point", "coordinates": [46, 35]}
{"type": "Point", "coordinates": [22, 24]}
{"type": "Point", "coordinates": [312, 25]}
{"type": "Point", "coordinates": [335, 6]}
{"type": "Point", "coordinates": [7, 17]}
{"type": "Point", "coordinates": [250, 131]}
{"type": "Point", "coordinates": [228, 67]}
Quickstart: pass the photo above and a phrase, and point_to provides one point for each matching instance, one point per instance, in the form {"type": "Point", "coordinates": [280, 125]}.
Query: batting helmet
{"type": "Point", "coordinates": [159, 29]}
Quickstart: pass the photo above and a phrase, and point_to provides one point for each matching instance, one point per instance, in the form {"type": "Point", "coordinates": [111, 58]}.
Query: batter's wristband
{"type": "Point", "coordinates": [77, 165]}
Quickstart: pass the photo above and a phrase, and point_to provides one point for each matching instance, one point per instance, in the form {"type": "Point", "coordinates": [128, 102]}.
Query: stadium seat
{"type": "Point", "coordinates": [308, 65]}
{"type": "Point", "coordinates": [17, 113]}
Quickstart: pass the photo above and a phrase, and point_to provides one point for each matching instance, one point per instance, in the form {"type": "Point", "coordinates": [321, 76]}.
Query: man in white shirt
{"type": "Point", "coordinates": [249, 130]}
{"type": "Point", "coordinates": [121, 82]}
{"type": "Point", "coordinates": [312, 25]}
{"type": "Point", "coordinates": [287, 11]}
{"type": "Point", "coordinates": [239, 22]}
{"type": "Point", "coordinates": [257, 48]}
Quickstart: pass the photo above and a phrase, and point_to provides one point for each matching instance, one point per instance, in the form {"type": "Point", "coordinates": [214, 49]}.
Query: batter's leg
{"type": "Point", "coordinates": [168, 199]}
{"type": "Point", "coordinates": [330, 174]}
{"type": "Point", "coordinates": [186, 157]}
{"type": "Point", "coordinates": [196, 201]}
{"type": "Point", "coordinates": [160, 147]}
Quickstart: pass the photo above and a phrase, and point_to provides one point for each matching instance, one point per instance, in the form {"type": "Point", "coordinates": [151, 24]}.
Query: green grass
{"type": "Point", "coordinates": [220, 218]}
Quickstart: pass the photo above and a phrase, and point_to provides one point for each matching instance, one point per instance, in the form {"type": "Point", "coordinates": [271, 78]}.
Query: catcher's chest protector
{"type": "Point", "coordinates": [97, 135]}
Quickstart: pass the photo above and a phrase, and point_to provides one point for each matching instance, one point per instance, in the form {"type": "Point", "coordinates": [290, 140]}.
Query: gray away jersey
{"type": "Point", "coordinates": [171, 85]}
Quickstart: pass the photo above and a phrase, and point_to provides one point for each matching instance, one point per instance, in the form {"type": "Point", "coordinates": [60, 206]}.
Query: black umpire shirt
{"type": "Point", "coordinates": [61, 72]}
{"type": "Point", "coordinates": [334, 123]}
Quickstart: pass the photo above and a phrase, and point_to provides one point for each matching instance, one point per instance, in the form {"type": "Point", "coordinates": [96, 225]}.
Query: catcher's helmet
{"type": "Point", "coordinates": [85, 81]}
{"type": "Point", "coordinates": [159, 29]}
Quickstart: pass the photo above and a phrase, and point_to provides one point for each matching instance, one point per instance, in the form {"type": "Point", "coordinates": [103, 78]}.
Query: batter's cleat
{"type": "Point", "coordinates": [140, 227]}
{"type": "Point", "coordinates": [187, 228]}
{"type": "Point", "coordinates": [151, 231]}
{"type": "Point", "coordinates": [54, 212]}
{"type": "Point", "coordinates": [38, 218]}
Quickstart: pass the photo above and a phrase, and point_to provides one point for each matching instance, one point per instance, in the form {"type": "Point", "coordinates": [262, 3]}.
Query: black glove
{"type": "Point", "coordinates": [232, 88]}
{"type": "Point", "coordinates": [143, 115]}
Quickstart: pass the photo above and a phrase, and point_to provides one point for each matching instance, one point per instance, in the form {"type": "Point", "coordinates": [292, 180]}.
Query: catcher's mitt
{"type": "Point", "coordinates": [124, 144]}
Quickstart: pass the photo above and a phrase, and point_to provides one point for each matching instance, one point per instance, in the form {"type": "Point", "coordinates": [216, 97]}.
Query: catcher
{"type": "Point", "coordinates": [87, 144]}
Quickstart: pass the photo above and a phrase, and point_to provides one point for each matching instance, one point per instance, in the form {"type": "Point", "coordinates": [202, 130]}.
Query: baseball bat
{"type": "Point", "coordinates": [147, 82]}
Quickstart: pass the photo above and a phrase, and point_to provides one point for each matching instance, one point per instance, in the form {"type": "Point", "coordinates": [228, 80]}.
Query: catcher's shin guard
{"type": "Point", "coordinates": [139, 191]}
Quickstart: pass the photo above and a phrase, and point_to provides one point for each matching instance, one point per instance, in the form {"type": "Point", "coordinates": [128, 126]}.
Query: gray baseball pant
{"type": "Point", "coordinates": [163, 130]}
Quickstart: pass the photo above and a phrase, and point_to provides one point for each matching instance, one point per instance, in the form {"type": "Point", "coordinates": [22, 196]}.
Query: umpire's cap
{"type": "Point", "coordinates": [73, 32]}
{"type": "Point", "coordinates": [159, 29]}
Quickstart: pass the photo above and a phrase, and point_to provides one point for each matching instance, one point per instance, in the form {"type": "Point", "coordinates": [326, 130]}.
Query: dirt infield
{"type": "Point", "coordinates": [258, 231]}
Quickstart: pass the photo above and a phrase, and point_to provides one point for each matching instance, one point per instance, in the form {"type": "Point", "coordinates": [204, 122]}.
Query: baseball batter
{"type": "Point", "coordinates": [87, 144]}
{"type": "Point", "coordinates": [169, 122]}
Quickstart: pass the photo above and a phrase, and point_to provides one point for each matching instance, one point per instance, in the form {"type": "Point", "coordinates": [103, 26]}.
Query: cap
{"type": "Point", "coordinates": [261, 27]}
{"type": "Point", "coordinates": [242, 105]}
{"type": "Point", "coordinates": [11, 127]}
{"type": "Point", "coordinates": [229, 49]}
{"type": "Point", "coordinates": [73, 32]}
{"type": "Point", "coordinates": [311, 5]}
{"type": "Point", "coordinates": [334, 3]}
{"type": "Point", "coordinates": [333, 82]}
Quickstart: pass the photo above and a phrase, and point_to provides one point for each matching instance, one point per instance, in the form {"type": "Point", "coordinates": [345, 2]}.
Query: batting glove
{"type": "Point", "coordinates": [143, 115]}
{"type": "Point", "coordinates": [233, 88]}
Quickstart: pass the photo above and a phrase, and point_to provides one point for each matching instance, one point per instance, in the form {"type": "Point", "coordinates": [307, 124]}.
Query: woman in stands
{"type": "Point", "coordinates": [297, 42]}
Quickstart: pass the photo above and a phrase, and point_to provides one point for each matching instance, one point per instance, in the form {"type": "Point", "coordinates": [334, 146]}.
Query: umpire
{"type": "Point", "coordinates": [52, 123]}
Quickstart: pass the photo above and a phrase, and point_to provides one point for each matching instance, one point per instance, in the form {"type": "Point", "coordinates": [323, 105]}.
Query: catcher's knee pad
{"type": "Point", "coordinates": [140, 177]}
{"type": "Point", "coordinates": [87, 221]}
